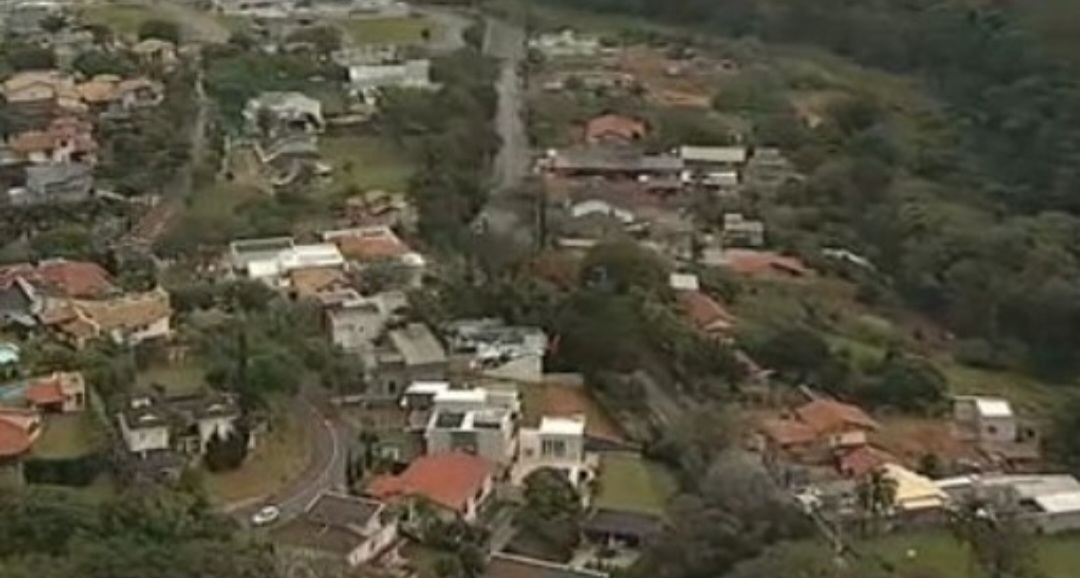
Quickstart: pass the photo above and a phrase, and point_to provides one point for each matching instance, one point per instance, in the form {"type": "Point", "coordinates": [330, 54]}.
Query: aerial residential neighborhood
{"type": "Point", "coordinates": [538, 289]}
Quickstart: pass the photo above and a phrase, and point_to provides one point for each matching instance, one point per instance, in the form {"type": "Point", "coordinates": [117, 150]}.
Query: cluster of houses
{"type": "Point", "coordinates": [25, 407]}
{"type": "Point", "coordinates": [469, 439]}
{"type": "Point", "coordinates": [77, 302]}
{"type": "Point", "coordinates": [824, 449]}
{"type": "Point", "coordinates": [51, 150]}
{"type": "Point", "coordinates": [609, 186]}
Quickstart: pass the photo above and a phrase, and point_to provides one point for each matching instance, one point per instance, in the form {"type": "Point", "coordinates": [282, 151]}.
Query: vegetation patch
{"type": "Point", "coordinates": [628, 482]}
{"type": "Point", "coordinates": [402, 31]}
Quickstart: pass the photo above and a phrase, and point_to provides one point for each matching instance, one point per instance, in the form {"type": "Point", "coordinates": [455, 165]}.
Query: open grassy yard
{"type": "Point", "coordinates": [939, 554]}
{"type": "Point", "coordinates": [365, 162]}
{"type": "Point", "coordinates": [69, 436]}
{"type": "Point", "coordinates": [175, 378]}
{"type": "Point", "coordinates": [123, 19]}
{"type": "Point", "coordinates": [628, 482]}
{"type": "Point", "coordinates": [278, 457]}
{"type": "Point", "coordinates": [403, 30]}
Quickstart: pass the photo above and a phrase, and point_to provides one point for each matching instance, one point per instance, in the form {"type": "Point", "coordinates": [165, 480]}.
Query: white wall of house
{"type": "Point", "coordinates": [597, 207]}
{"type": "Point", "coordinates": [141, 440]}
{"type": "Point", "coordinates": [380, 537]}
{"type": "Point", "coordinates": [473, 505]}
{"type": "Point", "coordinates": [158, 329]}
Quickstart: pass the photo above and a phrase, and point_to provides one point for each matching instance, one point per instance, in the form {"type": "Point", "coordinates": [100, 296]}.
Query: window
{"type": "Point", "coordinates": [553, 448]}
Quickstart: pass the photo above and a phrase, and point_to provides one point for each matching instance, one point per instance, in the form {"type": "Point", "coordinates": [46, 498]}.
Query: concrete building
{"type": "Point", "coordinates": [989, 419]}
{"type": "Point", "coordinates": [557, 443]}
{"type": "Point", "coordinates": [339, 527]}
{"type": "Point", "coordinates": [270, 260]}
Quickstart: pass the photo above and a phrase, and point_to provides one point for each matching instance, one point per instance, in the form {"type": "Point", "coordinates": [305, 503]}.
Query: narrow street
{"type": "Point", "coordinates": [506, 42]}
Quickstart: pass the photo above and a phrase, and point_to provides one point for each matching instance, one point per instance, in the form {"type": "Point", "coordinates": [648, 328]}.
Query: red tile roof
{"type": "Point", "coordinates": [371, 245]}
{"type": "Point", "coordinates": [615, 126]}
{"type": "Point", "coordinates": [447, 479]}
{"type": "Point", "coordinates": [865, 459]}
{"type": "Point", "coordinates": [705, 313]}
{"type": "Point", "coordinates": [752, 262]}
{"type": "Point", "coordinates": [825, 415]}
{"type": "Point", "coordinates": [787, 432]}
{"type": "Point", "coordinates": [14, 440]}
{"type": "Point", "coordinates": [75, 278]}
{"type": "Point", "coordinates": [46, 391]}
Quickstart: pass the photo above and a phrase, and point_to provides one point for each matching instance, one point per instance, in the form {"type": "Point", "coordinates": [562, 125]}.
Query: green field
{"type": "Point", "coordinates": [627, 482]}
{"type": "Point", "coordinates": [175, 378]}
{"type": "Point", "coordinates": [69, 436]}
{"type": "Point", "coordinates": [938, 552]}
{"type": "Point", "coordinates": [123, 19]}
{"type": "Point", "coordinates": [365, 162]}
{"type": "Point", "coordinates": [402, 31]}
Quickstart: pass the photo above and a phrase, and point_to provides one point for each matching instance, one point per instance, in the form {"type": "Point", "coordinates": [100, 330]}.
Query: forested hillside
{"type": "Point", "coordinates": [974, 216]}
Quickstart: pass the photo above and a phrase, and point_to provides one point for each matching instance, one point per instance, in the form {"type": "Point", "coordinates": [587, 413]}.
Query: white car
{"type": "Point", "coordinates": [267, 515]}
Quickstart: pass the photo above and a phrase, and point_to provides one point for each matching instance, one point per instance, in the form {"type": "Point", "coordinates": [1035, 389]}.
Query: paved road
{"type": "Point", "coordinates": [325, 469]}
{"type": "Point", "coordinates": [506, 42]}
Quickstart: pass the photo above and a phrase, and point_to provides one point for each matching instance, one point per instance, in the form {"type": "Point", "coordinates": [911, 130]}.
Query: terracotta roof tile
{"type": "Point", "coordinates": [824, 415]}
{"type": "Point", "coordinates": [371, 246]}
{"type": "Point", "coordinates": [752, 262]}
{"type": "Point", "coordinates": [447, 479]}
{"type": "Point", "coordinates": [865, 459]}
{"type": "Point", "coordinates": [705, 313]}
{"type": "Point", "coordinates": [787, 432]}
{"type": "Point", "coordinates": [75, 278]}
{"type": "Point", "coordinates": [14, 440]}
{"type": "Point", "coordinates": [615, 126]}
{"type": "Point", "coordinates": [46, 391]}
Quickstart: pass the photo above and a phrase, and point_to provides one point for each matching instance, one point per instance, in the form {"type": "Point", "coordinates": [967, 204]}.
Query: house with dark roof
{"type": "Point", "coordinates": [611, 161]}
{"type": "Point", "coordinates": [455, 485]}
{"type": "Point", "coordinates": [340, 527]}
{"type": "Point", "coordinates": [161, 431]}
{"type": "Point", "coordinates": [54, 183]}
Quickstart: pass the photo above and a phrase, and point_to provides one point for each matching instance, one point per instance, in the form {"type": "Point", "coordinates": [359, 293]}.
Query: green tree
{"type": "Point", "coordinates": [907, 383]}
{"type": "Point", "coordinates": [22, 56]}
{"type": "Point", "coordinates": [325, 38]}
{"type": "Point", "coordinates": [876, 496]}
{"type": "Point", "coordinates": [1062, 441]}
{"type": "Point", "coordinates": [623, 266]}
{"type": "Point", "coordinates": [225, 451]}
{"type": "Point", "coordinates": [553, 511]}
{"type": "Point", "coordinates": [160, 29]}
{"type": "Point", "coordinates": [94, 62]}
{"type": "Point", "coordinates": [995, 537]}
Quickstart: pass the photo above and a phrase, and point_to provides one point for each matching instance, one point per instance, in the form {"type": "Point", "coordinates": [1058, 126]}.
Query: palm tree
{"type": "Point", "coordinates": [877, 497]}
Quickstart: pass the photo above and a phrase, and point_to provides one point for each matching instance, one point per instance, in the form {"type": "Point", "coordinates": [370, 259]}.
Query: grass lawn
{"type": "Point", "coordinates": [176, 378]}
{"type": "Point", "coordinates": [366, 162]}
{"type": "Point", "coordinates": [403, 30]}
{"type": "Point", "coordinates": [938, 552]}
{"type": "Point", "coordinates": [278, 458]}
{"type": "Point", "coordinates": [69, 435]}
{"type": "Point", "coordinates": [123, 19]}
{"type": "Point", "coordinates": [628, 482]}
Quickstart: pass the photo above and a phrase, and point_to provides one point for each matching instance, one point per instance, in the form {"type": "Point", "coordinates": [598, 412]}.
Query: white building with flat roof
{"type": "Point", "coordinates": [988, 419]}
{"type": "Point", "coordinates": [557, 443]}
{"type": "Point", "coordinates": [270, 260]}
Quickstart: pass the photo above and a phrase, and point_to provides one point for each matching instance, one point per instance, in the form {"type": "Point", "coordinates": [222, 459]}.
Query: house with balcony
{"type": "Point", "coordinates": [557, 443]}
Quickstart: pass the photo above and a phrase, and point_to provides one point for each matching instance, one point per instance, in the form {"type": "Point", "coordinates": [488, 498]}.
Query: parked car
{"type": "Point", "coordinates": [267, 515]}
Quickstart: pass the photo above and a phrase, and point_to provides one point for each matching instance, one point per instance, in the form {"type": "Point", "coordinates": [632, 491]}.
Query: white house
{"type": "Point", "coordinates": [480, 421]}
{"type": "Point", "coordinates": [356, 322]}
{"type": "Point", "coordinates": [270, 260]}
{"type": "Point", "coordinates": [341, 527]}
{"type": "Point", "coordinates": [565, 43]}
{"type": "Point", "coordinates": [558, 443]}
{"type": "Point", "coordinates": [712, 158]}
{"type": "Point", "coordinates": [293, 110]}
{"type": "Point", "coordinates": [366, 79]}
{"type": "Point", "coordinates": [182, 424]}
{"type": "Point", "coordinates": [599, 207]}
{"type": "Point", "coordinates": [990, 419]}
